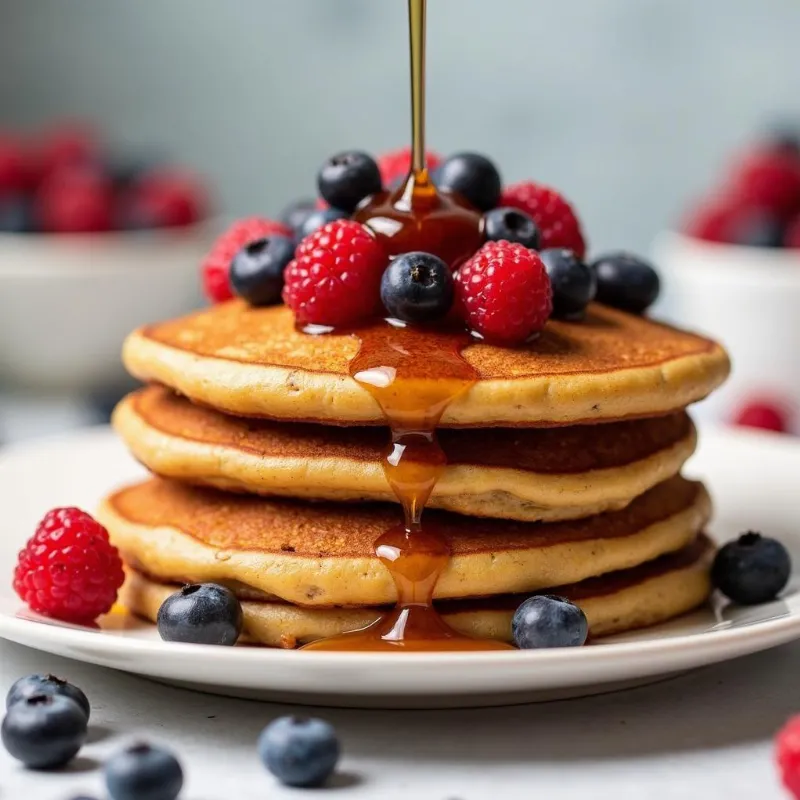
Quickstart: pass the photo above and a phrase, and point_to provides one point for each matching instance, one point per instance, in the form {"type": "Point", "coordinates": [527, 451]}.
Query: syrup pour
{"type": "Point", "coordinates": [414, 374]}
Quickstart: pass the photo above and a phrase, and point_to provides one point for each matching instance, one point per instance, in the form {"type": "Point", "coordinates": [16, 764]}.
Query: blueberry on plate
{"type": "Point", "coordinates": [511, 225]}
{"type": "Point", "coordinates": [473, 177]}
{"type": "Point", "coordinates": [44, 731]}
{"type": "Point", "coordinates": [295, 214]}
{"type": "Point", "coordinates": [143, 772]}
{"type": "Point", "coordinates": [201, 614]}
{"type": "Point", "coordinates": [751, 570]}
{"type": "Point", "coordinates": [626, 281]}
{"type": "Point", "coordinates": [346, 179]}
{"type": "Point", "coordinates": [574, 284]}
{"type": "Point", "coordinates": [548, 621]}
{"type": "Point", "coordinates": [318, 218]}
{"type": "Point", "coordinates": [31, 685]}
{"type": "Point", "coordinates": [299, 751]}
{"type": "Point", "coordinates": [257, 269]}
{"type": "Point", "coordinates": [417, 287]}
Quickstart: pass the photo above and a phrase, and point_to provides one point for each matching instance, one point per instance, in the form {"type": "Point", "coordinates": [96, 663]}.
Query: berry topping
{"type": "Point", "coordinates": [69, 569]}
{"type": "Point", "coordinates": [555, 217]}
{"type": "Point", "coordinates": [417, 287]}
{"type": "Point", "coordinates": [15, 173]}
{"type": "Point", "coordinates": [713, 220]}
{"type": "Point", "coordinates": [473, 177]}
{"type": "Point", "coordinates": [31, 685]}
{"type": "Point", "coordinates": [165, 198]}
{"type": "Point", "coordinates": [317, 219]}
{"type": "Point", "coordinates": [348, 178]}
{"type": "Point", "coordinates": [395, 165]}
{"type": "Point", "coordinates": [504, 293]}
{"type": "Point", "coordinates": [201, 614]}
{"type": "Point", "coordinates": [549, 621]}
{"type": "Point", "coordinates": [44, 731]}
{"type": "Point", "coordinates": [751, 570]}
{"type": "Point", "coordinates": [217, 264]}
{"type": "Point", "coordinates": [626, 281]}
{"type": "Point", "coordinates": [770, 180]}
{"type": "Point", "coordinates": [257, 269]}
{"type": "Point", "coordinates": [68, 145]}
{"type": "Point", "coordinates": [574, 284]}
{"type": "Point", "coordinates": [511, 225]}
{"type": "Point", "coordinates": [295, 214]}
{"type": "Point", "coordinates": [764, 415]}
{"type": "Point", "coordinates": [76, 200]}
{"type": "Point", "coordinates": [299, 751]}
{"type": "Point", "coordinates": [787, 754]}
{"type": "Point", "coordinates": [143, 772]}
{"type": "Point", "coordinates": [335, 277]}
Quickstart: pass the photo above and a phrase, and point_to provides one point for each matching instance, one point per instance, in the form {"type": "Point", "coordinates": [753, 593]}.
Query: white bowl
{"type": "Point", "coordinates": [67, 301]}
{"type": "Point", "coordinates": [749, 299]}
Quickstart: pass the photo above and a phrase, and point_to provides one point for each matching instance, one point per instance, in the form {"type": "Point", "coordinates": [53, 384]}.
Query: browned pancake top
{"type": "Point", "coordinates": [566, 450]}
{"type": "Point", "coordinates": [318, 530]}
{"type": "Point", "coordinates": [606, 341]}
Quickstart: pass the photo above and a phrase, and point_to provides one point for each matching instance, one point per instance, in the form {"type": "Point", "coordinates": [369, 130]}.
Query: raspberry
{"type": "Point", "coordinates": [68, 145]}
{"type": "Point", "coordinates": [75, 200]}
{"type": "Point", "coordinates": [555, 217]}
{"type": "Point", "coordinates": [787, 754]}
{"type": "Point", "coordinates": [167, 199]}
{"type": "Point", "coordinates": [764, 415]}
{"type": "Point", "coordinates": [335, 277]}
{"type": "Point", "coordinates": [504, 293]}
{"type": "Point", "coordinates": [769, 180]}
{"type": "Point", "coordinates": [69, 569]}
{"type": "Point", "coordinates": [396, 164]}
{"type": "Point", "coordinates": [15, 166]}
{"type": "Point", "coordinates": [792, 236]}
{"type": "Point", "coordinates": [714, 221]}
{"type": "Point", "coordinates": [217, 264]}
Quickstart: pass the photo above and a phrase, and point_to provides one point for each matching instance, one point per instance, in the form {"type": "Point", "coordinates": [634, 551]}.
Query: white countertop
{"type": "Point", "coordinates": [705, 735]}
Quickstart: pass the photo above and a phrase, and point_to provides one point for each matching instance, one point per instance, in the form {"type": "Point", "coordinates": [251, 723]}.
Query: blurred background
{"type": "Point", "coordinates": [629, 106]}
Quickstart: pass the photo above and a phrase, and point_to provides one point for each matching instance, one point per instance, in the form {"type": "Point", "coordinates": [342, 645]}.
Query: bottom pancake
{"type": "Point", "coordinates": [613, 603]}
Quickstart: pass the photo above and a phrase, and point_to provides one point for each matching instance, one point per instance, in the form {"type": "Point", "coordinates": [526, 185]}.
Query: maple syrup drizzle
{"type": "Point", "coordinates": [414, 374]}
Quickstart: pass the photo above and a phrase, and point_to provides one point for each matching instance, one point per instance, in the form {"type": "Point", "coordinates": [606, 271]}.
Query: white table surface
{"type": "Point", "coordinates": [704, 735]}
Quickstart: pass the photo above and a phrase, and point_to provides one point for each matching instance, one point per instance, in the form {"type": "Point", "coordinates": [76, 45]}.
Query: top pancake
{"type": "Point", "coordinates": [253, 362]}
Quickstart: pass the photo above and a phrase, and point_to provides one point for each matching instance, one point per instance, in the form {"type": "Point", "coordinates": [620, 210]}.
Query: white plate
{"type": "Point", "coordinates": [753, 477]}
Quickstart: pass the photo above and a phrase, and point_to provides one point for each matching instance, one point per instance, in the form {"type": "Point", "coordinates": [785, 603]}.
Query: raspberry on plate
{"type": "Point", "coordinates": [555, 217]}
{"type": "Point", "coordinates": [787, 754]}
{"type": "Point", "coordinates": [504, 293]}
{"type": "Point", "coordinates": [335, 276]}
{"type": "Point", "coordinates": [396, 164]}
{"type": "Point", "coordinates": [217, 264]}
{"type": "Point", "coordinates": [69, 570]}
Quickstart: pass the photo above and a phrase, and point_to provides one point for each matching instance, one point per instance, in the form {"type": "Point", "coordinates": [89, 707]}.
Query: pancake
{"type": "Point", "coordinates": [522, 474]}
{"type": "Point", "coordinates": [621, 601]}
{"type": "Point", "coordinates": [253, 362]}
{"type": "Point", "coordinates": [322, 554]}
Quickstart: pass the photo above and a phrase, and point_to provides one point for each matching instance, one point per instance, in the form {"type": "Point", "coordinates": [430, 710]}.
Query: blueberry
{"type": "Point", "coordinates": [16, 215]}
{"type": "Point", "coordinates": [472, 176]}
{"type": "Point", "coordinates": [44, 731]}
{"type": "Point", "coordinates": [201, 614]}
{"type": "Point", "coordinates": [125, 171]}
{"type": "Point", "coordinates": [574, 284]}
{"type": "Point", "coordinates": [759, 229]}
{"type": "Point", "coordinates": [143, 772]}
{"type": "Point", "coordinates": [257, 269]}
{"type": "Point", "coordinates": [626, 281]}
{"type": "Point", "coordinates": [417, 287]}
{"type": "Point", "coordinates": [299, 751]}
{"type": "Point", "coordinates": [318, 218]}
{"type": "Point", "coordinates": [548, 621]}
{"type": "Point", "coordinates": [49, 685]}
{"type": "Point", "coordinates": [295, 214]}
{"type": "Point", "coordinates": [348, 178]}
{"type": "Point", "coordinates": [511, 225]}
{"type": "Point", "coordinates": [753, 569]}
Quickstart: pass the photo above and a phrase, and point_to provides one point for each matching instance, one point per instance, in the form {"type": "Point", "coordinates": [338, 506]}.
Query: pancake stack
{"type": "Point", "coordinates": [562, 476]}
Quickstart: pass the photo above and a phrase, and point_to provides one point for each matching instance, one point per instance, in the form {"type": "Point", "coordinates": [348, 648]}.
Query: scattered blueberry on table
{"type": "Point", "coordinates": [31, 685]}
{"type": "Point", "coordinates": [143, 772]}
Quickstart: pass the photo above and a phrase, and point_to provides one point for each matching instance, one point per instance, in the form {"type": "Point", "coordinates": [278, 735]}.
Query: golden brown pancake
{"type": "Point", "coordinates": [252, 362]}
{"type": "Point", "coordinates": [620, 601]}
{"type": "Point", "coordinates": [524, 474]}
{"type": "Point", "coordinates": [322, 554]}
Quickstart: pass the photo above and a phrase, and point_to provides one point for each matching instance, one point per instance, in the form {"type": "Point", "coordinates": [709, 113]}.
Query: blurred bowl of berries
{"type": "Point", "coordinates": [90, 245]}
{"type": "Point", "coordinates": [732, 270]}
